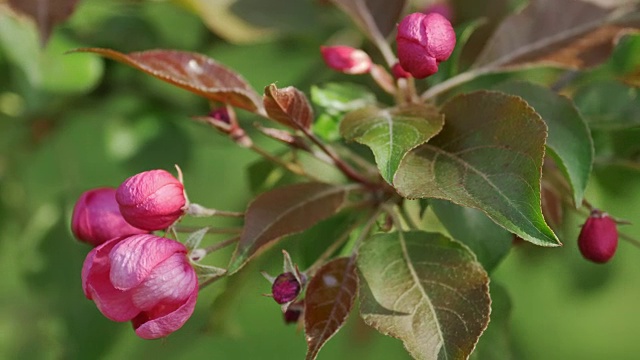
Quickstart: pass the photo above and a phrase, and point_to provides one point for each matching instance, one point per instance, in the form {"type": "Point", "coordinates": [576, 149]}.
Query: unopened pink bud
{"type": "Point", "coordinates": [598, 238]}
{"type": "Point", "coordinates": [424, 40]}
{"type": "Point", "coordinates": [346, 59]}
{"type": "Point", "coordinates": [144, 279]}
{"type": "Point", "coordinates": [151, 200]}
{"type": "Point", "coordinates": [221, 114]}
{"type": "Point", "coordinates": [285, 288]}
{"type": "Point", "coordinates": [398, 72]}
{"type": "Point", "coordinates": [293, 312]}
{"type": "Point", "coordinates": [96, 218]}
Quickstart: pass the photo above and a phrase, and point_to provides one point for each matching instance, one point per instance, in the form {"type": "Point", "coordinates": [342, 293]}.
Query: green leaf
{"type": "Point", "coordinates": [488, 156]}
{"type": "Point", "coordinates": [284, 211]}
{"type": "Point", "coordinates": [489, 242]}
{"type": "Point", "coordinates": [193, 72]}
{"type": "Point", "coordinates": [496, 341]}
{"type": "Point", "coordinates": [391, 133]}
{"type": "Point", "coordinates": [426, 290]}
{"type": "Point", "coordinates": [328, 301]}
{"type": "Point", "coordinates": [336, 99]}
{"type": "Point", "coordinates": [194, 239]}
{"type": "Point", "coordinates": [569, 141]}
{"type": "Point", "coordinates": [339, 98]}
{"type": "Point", "coordinates": [609, 105]}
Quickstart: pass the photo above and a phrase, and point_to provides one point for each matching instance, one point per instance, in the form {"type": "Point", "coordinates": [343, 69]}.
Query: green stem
{"type": "Point", "coordinates": [222, 244]}
{"type": "Point", "coordinates": [190, 229]}
{"type": "Point", "coordinates": [197, 210]}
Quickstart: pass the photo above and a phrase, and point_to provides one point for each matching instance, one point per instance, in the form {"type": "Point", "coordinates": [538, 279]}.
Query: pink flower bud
{"type": "Point", "coordinates": [285, 288]}
{"type": "Point", "coordinates": [151, 200]}
{"type": "Point", "coordinates": [398, 72]}
{"type": "Point", "coordinates": [96, 218]}
{"type": "Point", "coordinates": [424, 40]}
{"type": "Point", "coordinates": [346, 59]}
{"type": "Point", "coordinates": [293, 312]}
{"type": "Point", "coordinates": [144, 279]}
{"type": "Point", "coordinates": [598, 238]}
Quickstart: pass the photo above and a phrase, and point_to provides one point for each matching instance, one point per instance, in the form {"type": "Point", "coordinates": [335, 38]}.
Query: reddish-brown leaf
{"type": "Point", "coordinates": [284, 211]}
{"type": "Point", "coordinates": [45, 13]}
{"type": "Point", "coordinates": [288, 106]}
{"type": "Point", "coordinates": [568, 33]}
{"type": "Point", "coordinates": [193, 72]}
{"type": "Point", "coordinates": [329, 299]}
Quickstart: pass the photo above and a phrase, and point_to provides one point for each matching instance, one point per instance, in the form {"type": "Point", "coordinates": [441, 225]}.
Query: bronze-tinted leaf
{"type": "Point", "coordinates": [488, 156]}
{"type": "Point", "coordinates": [570, 33]}
{"type": "Point", "coordinates": [191, 71]}
{"type": "Point", "coordinates": [288, 106]}
{"type": "Point", "coordinates": [328, 301]}
{"type": "Point", "coordinates": [426, 290]}
{"type": "Point", "coordinates": [373, 16]}
{"type": "Point", "coordinates": [284, 211]}
{"type": "Point", "coordinates": [45, 13]}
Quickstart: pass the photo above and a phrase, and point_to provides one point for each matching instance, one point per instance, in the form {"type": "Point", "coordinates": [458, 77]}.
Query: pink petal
{"type": "Point", "coordinates": [154, 325]}
{"type": "Point", "coordinates": [135, 257]}
{"type": "Point", "coordinates": [442, 38]}
{"type": "Point", "coordinates": [112, 303]}
{"type": "Point", "coordinates": [172, 281]}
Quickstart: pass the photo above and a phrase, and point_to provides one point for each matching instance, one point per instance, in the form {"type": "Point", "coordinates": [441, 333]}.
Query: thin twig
{"type": "Point", "coordinates": [288, 166]}
{"type": "Point", "coordinates": [222, 244]}
{"type": "Point", "coordinates": [407, 218]}
{"type": "Point", "coordinates": [629, 239]}
{"type": "Point", "coordinates": [190, 229]}
{"type": "Point", "coordinates": [197, 210]}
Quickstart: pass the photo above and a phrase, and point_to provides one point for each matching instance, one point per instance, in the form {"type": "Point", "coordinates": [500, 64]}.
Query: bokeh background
{"type": "Point", "coordinates": [69, 123]}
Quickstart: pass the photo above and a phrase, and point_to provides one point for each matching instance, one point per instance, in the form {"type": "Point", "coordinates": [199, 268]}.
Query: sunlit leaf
{"type": "Point", "coordinates": [391, 133]}
{"type": "Point", "coordinates": [608, 105]}
{"type": "Point", "coordinates": [569, 141]}
{"type": "Point", "coordinates": [545, 33]}
{"type": "Point", "coordinates": [489, 242]}
{"type": "Point", "coordinates": [328, 301]}
{"type": "Point", "coordinates": [373, 16]}
{"type": "Point", "coordinates": [488, 156]}
{"type": "Point", "coordinates": [46, 14]}
{"type": "Point", "coordinates": [426, 290]}
{"type": "Point", "coordinates": [284, 211]}
{"type": "Point", "coordinates": [338, 98]}
{"type": "Point", "coordinates": [288, 106]}
{"type": "Point", "coordinates": [191, 71]}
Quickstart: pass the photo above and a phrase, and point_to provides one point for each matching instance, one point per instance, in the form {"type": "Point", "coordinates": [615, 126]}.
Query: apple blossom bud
{"type": "Point", "coordinates": [346, 59]}
{"type": "Point", "coordinates": [221, 114]}
{"type": "Point", "coordinates": [398, 72]}
{"type": "Point", "coordinates": [96, 218]}
{"type": "Point", "coordinates": [285, 288]}
{"type": "Point", "coordinates": [151, 200]}
{"type": "Point", "coordinates": [144, 279]}
{"type": "Point", "coordinates": [598, 238]}
{"type": "Point", "coordinates": [424, 40]}
{"type": "Point", "coordinates": [293, 312]}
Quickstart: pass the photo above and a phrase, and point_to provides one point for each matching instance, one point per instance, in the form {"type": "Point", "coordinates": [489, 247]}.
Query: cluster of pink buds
{"type": "Point", "coordinates": [598, 239]}
{"type": "Point", "coordinates": [132, 275]}
{"type": "Point", "coordinates": [424, 39]}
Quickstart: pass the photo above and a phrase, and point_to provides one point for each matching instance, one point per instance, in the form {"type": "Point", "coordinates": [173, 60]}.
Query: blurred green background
{"type": "Point", "coordinates": [69, 123]}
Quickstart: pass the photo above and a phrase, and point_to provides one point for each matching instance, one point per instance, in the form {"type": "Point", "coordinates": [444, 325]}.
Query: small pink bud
{"type": "Point", "coordinates": [424, 40]}
{"type": "Point", "coordinates": [144, 279]}
{"type": "Point", "coordinates": [285, 288]}
{"type": "Point", "coordinates": [292, 314]}
{"type": "Point", "coordinates": [598, 238]}
{"type": "Point", "coordinates": [96, 218]}
{"type": "Point", "coordinates": [398, 72]}
{"type": "Point", "coordinates": [221, 114]}
{"type": "Point", "coordinates": [151, 200]}
{"type": "Point", "coordinates": [346, 59]}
